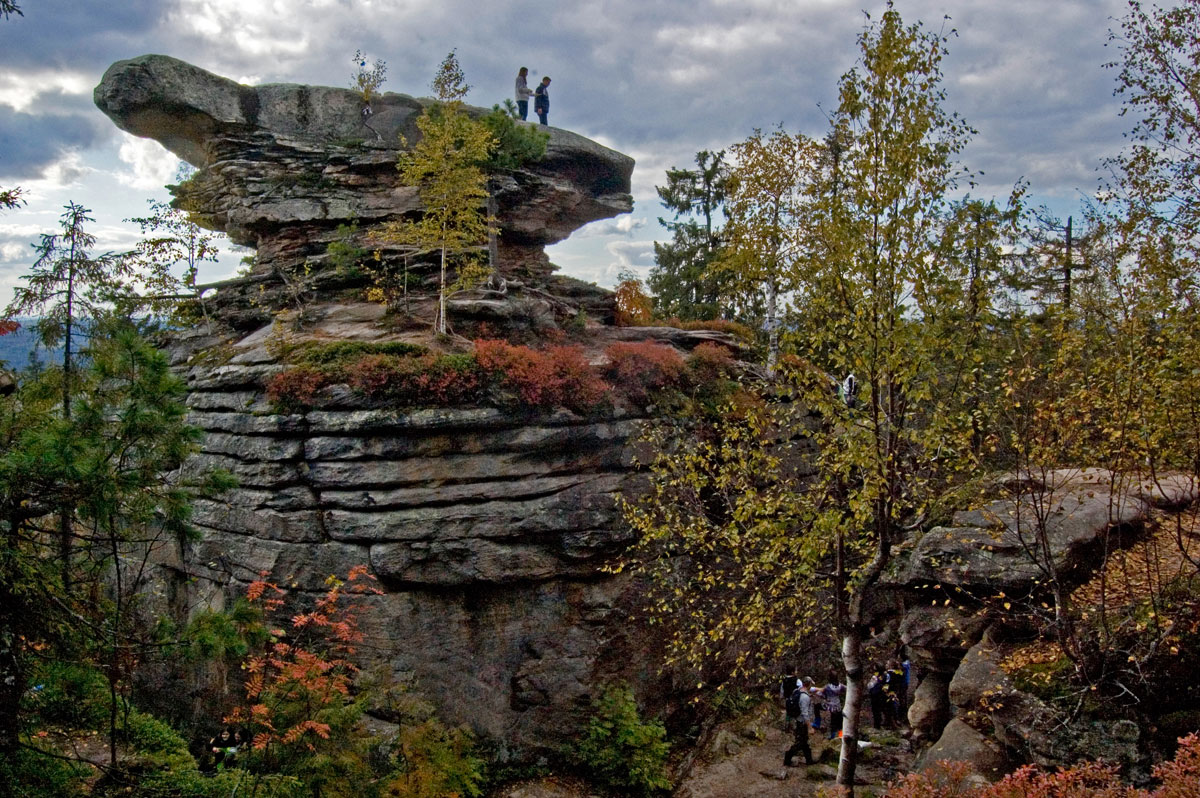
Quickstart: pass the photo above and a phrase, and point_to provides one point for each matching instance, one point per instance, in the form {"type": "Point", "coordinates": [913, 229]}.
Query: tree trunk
{"type": "Point", "coordinates": [856, 682]}
{"type": "Point", "coordinates": [441, 325]}
{"type": "Point", "coordinates": [12, 684]}
{"type": "Point", "coordinates": [493, 210]}
{"type": "Point", "coordinates": [772, 328]}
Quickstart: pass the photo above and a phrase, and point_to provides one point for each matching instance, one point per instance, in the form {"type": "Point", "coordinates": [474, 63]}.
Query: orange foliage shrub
{"type": "Point", "coordinates": [1179, 778]}
{"type": "Point", "coordinates": [634, 306]}
{"type": "Point", "coordinates": [556, 377]}
{"type": "Point", "coordinates": [709, 363]}
{"type": "Point", "coordinates": [640, 369]}
{"type": "Point", "coordinates": [296, 389]}
{"type": "Point", "coordinates": [306, 671]}
{"type": "Point", "coordinates": [735, 329]}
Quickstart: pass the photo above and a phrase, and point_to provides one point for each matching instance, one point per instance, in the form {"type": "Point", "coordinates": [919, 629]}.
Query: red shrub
{"type": "Point", "coordinates": [558, 376]}
{"type": "Point", "coordinates": [449, 379]}
{"type": "Point", "coordinates": [373, 374]}
{"type": "Point", "coordinates": [709, 363]}
{"type": "Point", "coordinates": [642, 369]}
{"type": "Point", "coordinates": [1177, 779]}
{"type": "Point", "coordinates": [1181, 777]}
{"type": "Point", "coordinates": [580, 387]}
{"type": "Point", "coordinates": [296, 389]}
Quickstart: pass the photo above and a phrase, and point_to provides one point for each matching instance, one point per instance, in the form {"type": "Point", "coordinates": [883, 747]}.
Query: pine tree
{"type": "Point", "coordinates": [114, 464]}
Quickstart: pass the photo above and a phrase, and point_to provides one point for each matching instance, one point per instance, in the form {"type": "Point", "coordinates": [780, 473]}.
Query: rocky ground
{"type": "Point", "coordinates": [744, 759]}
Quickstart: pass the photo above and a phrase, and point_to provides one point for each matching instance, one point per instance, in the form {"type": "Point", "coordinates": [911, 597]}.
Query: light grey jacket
{"type": "Point", "coordinates": [523, 90]}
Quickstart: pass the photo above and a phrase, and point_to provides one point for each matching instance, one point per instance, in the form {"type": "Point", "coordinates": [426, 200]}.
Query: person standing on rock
{"type": "Point", "coordinates": [800, 703]}
{"type": "Point", "coordinates": [523, 93]}
{"type": "Point", "coordinates": [541, 101]}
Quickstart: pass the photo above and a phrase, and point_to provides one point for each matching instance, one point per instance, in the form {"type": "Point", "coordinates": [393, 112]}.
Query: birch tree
{"type": "Point", "coordinates": [765, 230]}
{"type": "Point", "coordinates": [783, 505]}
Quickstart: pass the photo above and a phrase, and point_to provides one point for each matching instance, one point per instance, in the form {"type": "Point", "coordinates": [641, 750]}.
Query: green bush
{"type": "Point", "coordinates": [622, 752]}
{"type": "Point", "coordinates": [156, 743]}
{"type": "Point", "coordinates": [28, 772]}
{"type": "Point", "coordinates": [434, 761]}
{"type": "Point", "coordinates": [68, 695]}
{"type": "Point", "coordinates": [339, 354]}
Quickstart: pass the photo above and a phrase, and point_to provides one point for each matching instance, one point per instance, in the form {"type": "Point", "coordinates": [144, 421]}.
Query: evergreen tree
{"type": "Point", "coordinates": [684, 286]}
{"type": "Point", "coordinates": [67, 287]}
{"type": "Point", "coordinates": [114, 463]}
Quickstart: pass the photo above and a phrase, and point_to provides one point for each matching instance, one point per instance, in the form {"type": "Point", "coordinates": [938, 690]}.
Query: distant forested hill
{"type": "Point", "coordinates": [16, 348]}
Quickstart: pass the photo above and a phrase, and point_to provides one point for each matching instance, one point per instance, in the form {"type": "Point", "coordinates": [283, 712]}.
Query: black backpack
{"type": "Point", "coordinates": [792, 706]}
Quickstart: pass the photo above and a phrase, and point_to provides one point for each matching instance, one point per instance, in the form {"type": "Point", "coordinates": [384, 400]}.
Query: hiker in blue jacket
{"type": "Point", "coordinates": [541, 100]}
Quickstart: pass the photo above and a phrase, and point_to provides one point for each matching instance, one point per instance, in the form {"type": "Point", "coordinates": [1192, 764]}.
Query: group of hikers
{"type": "Point", "coordinates": [810, 706]}
{"type": "Point", "coordinates": [540, 95]}
{"type": "Point", "coordinates": [222, 750]}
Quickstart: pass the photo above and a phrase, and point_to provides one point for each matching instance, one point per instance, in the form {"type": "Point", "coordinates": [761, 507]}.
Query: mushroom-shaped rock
{"type": "Point", "coordinates": [282, 166]}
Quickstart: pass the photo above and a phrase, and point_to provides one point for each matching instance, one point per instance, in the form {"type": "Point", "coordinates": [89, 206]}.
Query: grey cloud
{"type": "Point", "coordinates": [77, 32]}
{"type": "Point", "coordinates": [33, 142]}
{"type": "Point", "coordinates": [658, 80]}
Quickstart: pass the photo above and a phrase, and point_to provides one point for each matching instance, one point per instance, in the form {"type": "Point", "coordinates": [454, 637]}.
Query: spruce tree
{"type": "Point", "coordinates": [681, 279]}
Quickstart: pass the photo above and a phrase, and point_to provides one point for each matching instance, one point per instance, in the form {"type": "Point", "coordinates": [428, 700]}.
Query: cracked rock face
{"type": "Point", "coordinates": [487, 529]}
{"type": "Point", "coordinates": [281, 166]}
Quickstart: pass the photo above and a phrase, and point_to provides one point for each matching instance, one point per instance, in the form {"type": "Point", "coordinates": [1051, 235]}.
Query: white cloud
{"type": "Point", "coordinates": [151, 166]}
{"type": "Point", "coordinates": [258, 30]}
{"type": "Point", "coordinates": [21, 90]}
{"type": "Point", "coordinates": [636, 256]}
{"type": "Point", "coordinates": [622, 226]}
{"type": "Point", "coordinates": [12, 251]}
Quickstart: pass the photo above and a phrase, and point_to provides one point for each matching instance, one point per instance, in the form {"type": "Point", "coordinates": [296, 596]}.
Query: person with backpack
{"type": "Point", "coordinates": [786, 687]}
{"type": "Point", "coordinates": [799, 707]}
{"type": "Point", "coordinates": [897, 686]}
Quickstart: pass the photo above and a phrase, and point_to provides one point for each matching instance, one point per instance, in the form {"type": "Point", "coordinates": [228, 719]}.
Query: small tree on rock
{"type": "Point", "coordinates": [446, 166]}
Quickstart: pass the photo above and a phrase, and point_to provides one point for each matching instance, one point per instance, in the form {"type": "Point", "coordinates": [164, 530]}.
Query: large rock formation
{"type": "Point", "coordinates": [960, 581]}
{"type": "Point", "coordinates": [487, 528]}
{"type": "Point", "coordinates": [281, 166]}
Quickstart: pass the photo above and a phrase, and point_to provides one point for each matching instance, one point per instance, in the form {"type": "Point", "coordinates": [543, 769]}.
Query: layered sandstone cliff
{"type": "Point", "coordinates": [487, 527]}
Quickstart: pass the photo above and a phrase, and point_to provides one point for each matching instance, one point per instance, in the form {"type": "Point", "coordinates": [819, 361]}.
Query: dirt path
{"type": "Point", "coordinates": [745, 760]}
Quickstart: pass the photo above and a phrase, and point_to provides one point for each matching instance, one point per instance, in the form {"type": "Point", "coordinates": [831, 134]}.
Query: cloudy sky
{"type": "Point", "coordinates": [657, 79]}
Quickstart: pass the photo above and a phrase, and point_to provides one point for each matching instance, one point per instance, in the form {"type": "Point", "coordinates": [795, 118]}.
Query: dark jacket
{"type": "Point", "coordinates": [541, 99]}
